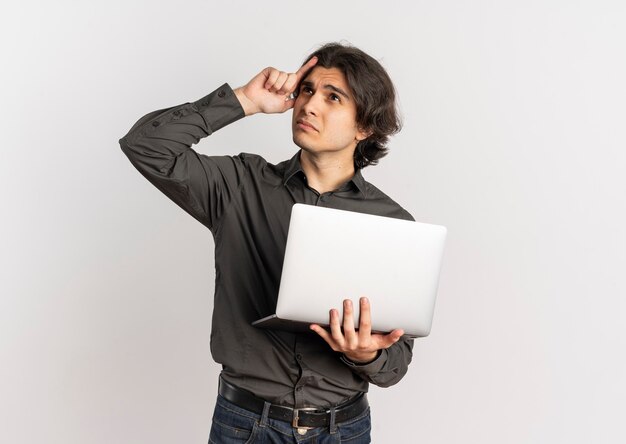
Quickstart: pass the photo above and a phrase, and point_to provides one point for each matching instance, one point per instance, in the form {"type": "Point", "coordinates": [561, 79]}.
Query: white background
{"type": "Point", "coordinates": [514, 139]}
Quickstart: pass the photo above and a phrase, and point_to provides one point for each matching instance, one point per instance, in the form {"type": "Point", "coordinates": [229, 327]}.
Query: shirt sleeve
{"type": "Point", "coordinates": [159, 146]}
{"type": "Point", "coordinates": [389, 367]}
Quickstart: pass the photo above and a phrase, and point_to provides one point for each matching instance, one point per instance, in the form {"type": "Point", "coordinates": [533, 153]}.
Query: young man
{"type": "Point", "coordinates": [278, 386]}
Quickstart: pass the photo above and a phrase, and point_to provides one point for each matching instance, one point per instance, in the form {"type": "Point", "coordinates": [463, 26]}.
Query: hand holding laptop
{"type": "Point", "coordinates": [359, 346]}
{"type": "Point", "coordinates": [395, 262]}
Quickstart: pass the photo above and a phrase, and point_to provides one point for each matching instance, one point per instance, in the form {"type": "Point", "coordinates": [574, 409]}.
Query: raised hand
{"type": "Point", "coordinates": [361, 346]}
{"type": "Point", "coordinates": [270, 90]}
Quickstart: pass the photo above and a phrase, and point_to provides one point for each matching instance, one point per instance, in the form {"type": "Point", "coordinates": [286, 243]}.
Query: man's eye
{"type": "Point", "coordinates": [305, 89]}
{"type": "Point", "coordinates": [334, 97]}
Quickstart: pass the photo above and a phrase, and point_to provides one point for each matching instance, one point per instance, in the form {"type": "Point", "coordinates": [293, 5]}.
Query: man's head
{"type": "Point", "coordinates": [364, 86]}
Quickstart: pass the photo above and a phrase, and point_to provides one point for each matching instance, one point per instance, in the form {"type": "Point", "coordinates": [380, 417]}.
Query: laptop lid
{"type": "Point", "coordinates": [332, 255]}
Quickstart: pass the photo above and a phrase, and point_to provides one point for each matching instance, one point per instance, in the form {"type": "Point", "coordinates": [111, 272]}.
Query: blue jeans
{"type": "Point", "coordinates": [232, 424]}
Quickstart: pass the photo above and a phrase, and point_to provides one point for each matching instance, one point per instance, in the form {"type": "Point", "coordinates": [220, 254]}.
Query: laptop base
{"type": "Point", "coordinates": [273, 322]}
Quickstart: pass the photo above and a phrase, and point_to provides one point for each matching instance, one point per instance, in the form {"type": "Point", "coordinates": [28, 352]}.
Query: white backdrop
{"type": "Point", "coordinates": [514, 139]}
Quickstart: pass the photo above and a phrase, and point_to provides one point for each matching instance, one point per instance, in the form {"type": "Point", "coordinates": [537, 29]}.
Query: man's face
{"type": "Point", "coordinates": [324, 113]}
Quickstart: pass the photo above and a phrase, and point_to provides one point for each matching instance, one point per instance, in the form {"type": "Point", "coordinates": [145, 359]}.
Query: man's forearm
{"type": "Point", "coordinates": [248, 106]}
{"type": "Point", "coordinates": [389, 367]}
{"type": "Point", "coordinates": [171, 131]}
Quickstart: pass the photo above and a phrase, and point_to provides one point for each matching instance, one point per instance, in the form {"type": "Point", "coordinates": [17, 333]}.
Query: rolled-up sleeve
{"type": "Point", "coordinates": [389, 367]}
{"type": "Point", "coordinates": [159, 146]}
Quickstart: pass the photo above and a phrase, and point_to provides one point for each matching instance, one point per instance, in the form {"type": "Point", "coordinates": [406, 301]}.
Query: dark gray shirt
{"type": "Point", "coordinates": [246, 203]}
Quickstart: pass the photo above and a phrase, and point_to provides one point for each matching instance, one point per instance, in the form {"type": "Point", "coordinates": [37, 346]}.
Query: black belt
{"type": "Point", "coordinates": [304, 417]}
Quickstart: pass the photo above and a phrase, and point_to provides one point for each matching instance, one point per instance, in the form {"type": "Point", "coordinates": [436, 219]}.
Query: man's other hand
{"type": "Point", "coordinates": [358, 346]}
{"type": "Point", "coordinates": [270, 90]}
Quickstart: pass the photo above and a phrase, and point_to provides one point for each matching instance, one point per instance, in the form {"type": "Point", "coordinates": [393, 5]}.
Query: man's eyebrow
{"type": "Point", "coordinates": [334, 88]}
{"type": "Point", "coordinates": [338, 91]}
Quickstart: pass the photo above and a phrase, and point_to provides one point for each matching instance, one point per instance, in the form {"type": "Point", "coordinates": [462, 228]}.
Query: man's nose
{"type": "Point", "coordinates": [311, 106]}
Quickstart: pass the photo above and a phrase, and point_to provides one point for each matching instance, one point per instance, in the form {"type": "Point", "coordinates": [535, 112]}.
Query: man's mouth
{"type": "Point", "coordinates": [307, 126]}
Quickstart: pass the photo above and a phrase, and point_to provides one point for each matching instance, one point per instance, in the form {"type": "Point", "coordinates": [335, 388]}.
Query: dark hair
{"type": "Point", "coordinates": [374, 95]}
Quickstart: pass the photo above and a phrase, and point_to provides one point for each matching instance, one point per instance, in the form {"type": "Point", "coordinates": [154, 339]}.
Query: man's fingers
{"type": "Point", "coordinates": [285, 83]}
{"type": "Point", "coordinates": [335, 327]}
{"type": "Point", "coordinates": [272, 75]}
{"type": "Point", "coordinates": [304, 69]}
{"type": "Point", "coordinates": [351, 337]}
{"type": "Point", "coordinates": [290, 85]}
{"type": "Point", "coordinates": [323, 333]}
{"type": "Point", "coordinates": [280, 81]}
{"type": "Point", "coordinates": [288, 104]}
{"type": "Point", "coordinates": [365, 319]}
{"type": "Point", "coordinates": [348, 317]}
{"type": "Point", "coordinates": [390, 339]}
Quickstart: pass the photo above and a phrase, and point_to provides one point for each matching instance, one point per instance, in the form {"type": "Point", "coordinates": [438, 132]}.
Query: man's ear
{"type": "Point", "coordinates": [363, 134]}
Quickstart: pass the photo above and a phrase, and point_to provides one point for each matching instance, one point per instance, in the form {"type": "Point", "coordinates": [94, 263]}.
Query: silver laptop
{"type": "Point", "coordinates": [332, 255]}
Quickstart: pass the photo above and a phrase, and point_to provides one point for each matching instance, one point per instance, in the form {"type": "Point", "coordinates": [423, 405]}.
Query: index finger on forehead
{"type": "Point", "coordinates": [304, 69]}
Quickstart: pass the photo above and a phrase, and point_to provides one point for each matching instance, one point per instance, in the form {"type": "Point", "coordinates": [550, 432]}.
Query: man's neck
{"type": "Point", "coordinates": [327, 172]}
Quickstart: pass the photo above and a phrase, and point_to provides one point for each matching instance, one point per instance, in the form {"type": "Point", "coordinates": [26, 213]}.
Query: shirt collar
{"type": "Point", "coordinates": [293, 167]}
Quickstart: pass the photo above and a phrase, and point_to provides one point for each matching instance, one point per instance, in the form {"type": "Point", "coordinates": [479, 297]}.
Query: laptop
{"type": "Point", "coordinates": [332, 255]}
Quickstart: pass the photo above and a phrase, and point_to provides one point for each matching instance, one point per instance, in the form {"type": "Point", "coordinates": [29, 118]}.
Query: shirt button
{"type": "Point", "coordinates": [221, 93]}
{"type": "Point", "coordinates": [155, 123]}
{"type": "Point", "coordinates": [299, 357]}
{"type": "Point", "coordinates": [177, 113]}
{"type": "Point", "coordinates": [299, 388]}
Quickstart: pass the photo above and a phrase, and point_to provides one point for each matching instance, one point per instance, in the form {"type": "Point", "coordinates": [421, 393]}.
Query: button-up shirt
{"type": "Point", "coordinates": [246, 204]}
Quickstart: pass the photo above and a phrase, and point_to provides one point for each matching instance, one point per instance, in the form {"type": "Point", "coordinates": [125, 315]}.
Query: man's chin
{"type": "Point", "coordinates": [300, 143]}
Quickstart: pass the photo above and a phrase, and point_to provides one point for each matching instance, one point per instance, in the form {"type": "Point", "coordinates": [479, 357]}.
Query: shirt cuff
{"type": "Point", "coordinates": [371, 368]}
{"type": "Point", "coordinates": [219, 108]}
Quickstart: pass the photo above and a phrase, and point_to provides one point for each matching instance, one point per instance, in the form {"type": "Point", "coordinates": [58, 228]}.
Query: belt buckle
{"type": "Point", "coordinates": [296, 417]}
